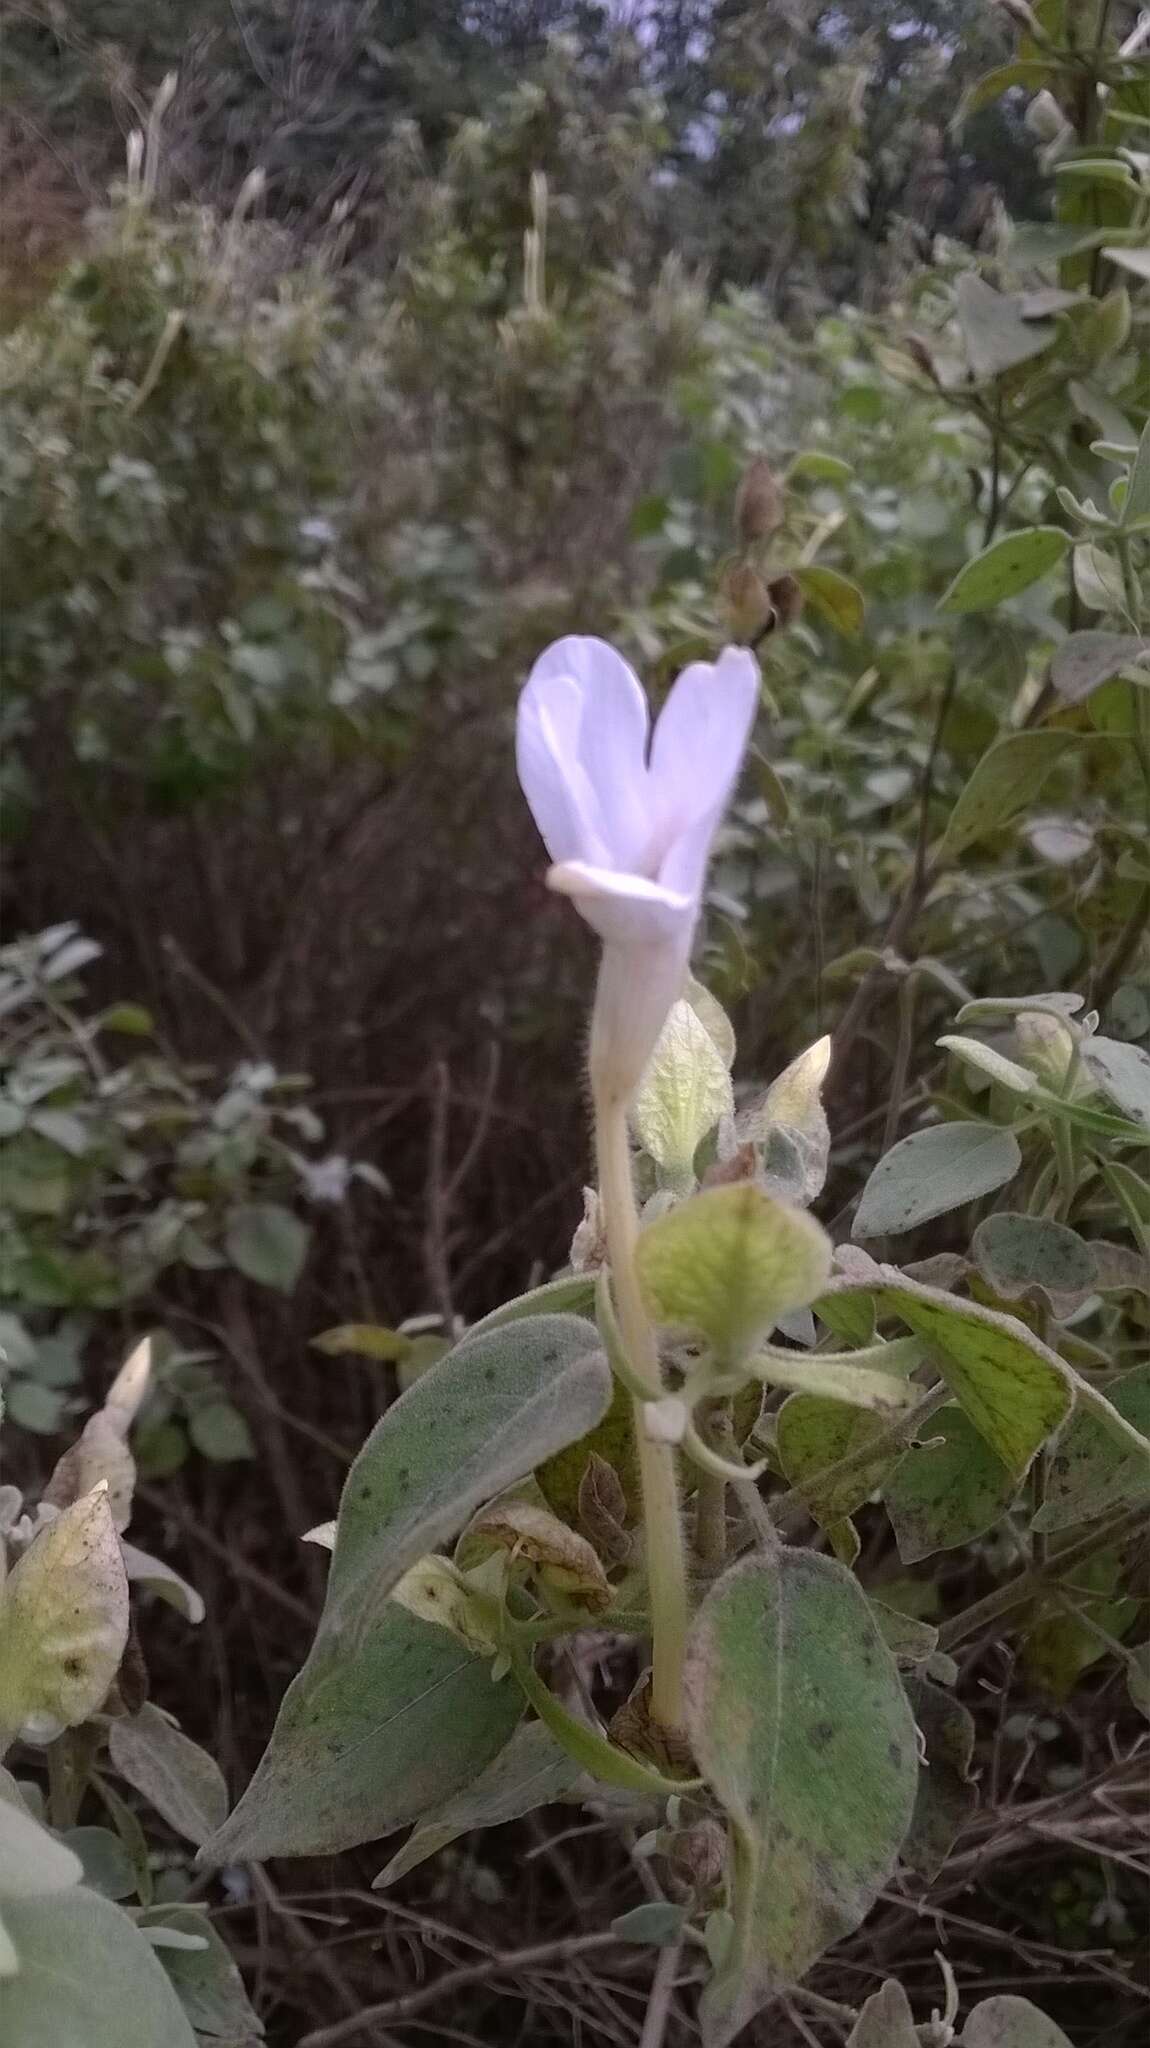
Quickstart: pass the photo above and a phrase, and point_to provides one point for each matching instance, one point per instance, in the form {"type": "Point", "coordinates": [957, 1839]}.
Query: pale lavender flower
{"type": "Point", "coordinates": [629, 824]}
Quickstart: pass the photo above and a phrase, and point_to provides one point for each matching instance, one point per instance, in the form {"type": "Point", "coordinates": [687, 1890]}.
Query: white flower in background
{"type": "Point", "coordinates": [629, 826]}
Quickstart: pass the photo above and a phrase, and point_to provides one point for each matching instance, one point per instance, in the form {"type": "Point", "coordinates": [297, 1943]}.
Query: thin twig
{"type": "Point", "coordinates": [659, 2003]}
{"type": "Point", "coordinates": [542, 1955]}
{"type": "Point", "coordinates": [1030, 1583]}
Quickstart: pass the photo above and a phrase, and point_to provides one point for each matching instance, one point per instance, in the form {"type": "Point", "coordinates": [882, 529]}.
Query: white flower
{"type": "Point", "coordinates": [630, 828]}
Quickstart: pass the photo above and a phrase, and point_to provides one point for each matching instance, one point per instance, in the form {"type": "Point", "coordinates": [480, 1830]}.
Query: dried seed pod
{"type": "Point", "coordinates": [758, 503]}
{"type": "Point", "coordinates": [747, 602]}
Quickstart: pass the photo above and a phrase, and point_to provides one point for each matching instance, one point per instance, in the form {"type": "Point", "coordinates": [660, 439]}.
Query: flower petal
{"type": "Point", "coordinates": [552, 779]}
{"type": "Point", "coordinates": [626, 909]}
{"type": "Point", "coordinates": [699, 743]}
{"type": "Point", "coordinates": [610, 742]}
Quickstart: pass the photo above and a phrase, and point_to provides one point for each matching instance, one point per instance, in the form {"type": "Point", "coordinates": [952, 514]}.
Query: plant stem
{"type": "Point", "coordinates": [67, 1776]}
{"type": "Point", "coordinates": [711, 1504]}
{"type": "Point", "coordinates": [1029, 1583]}
{"type": "Point", "coordinates": [666, 1564]}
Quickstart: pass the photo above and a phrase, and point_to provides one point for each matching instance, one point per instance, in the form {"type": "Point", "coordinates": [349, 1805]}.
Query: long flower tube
{"type": "Point", "coordinates": [628, 819]}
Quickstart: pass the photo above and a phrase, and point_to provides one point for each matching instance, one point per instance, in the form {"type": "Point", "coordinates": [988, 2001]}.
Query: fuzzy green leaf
{"type": "Point", "coordinates": [799, 1721]}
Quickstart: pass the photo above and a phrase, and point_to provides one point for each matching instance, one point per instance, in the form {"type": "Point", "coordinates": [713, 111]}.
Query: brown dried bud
{"type": "Point", "coordinates": [758, 503]}
{"type": "Point", "coordinates": [746, 600]}
{"type": "Point", "coordinates": [786, 595]}
{"type": "Point", "coordinates": [603, 1510]}
{"type": "Point", "coordinates": [589, 1244]}
{"type": "Point", "coordinates": [632, 1728]}
{"type": "Point", "coordinates": [697, 1854]}
{"type": "Point", "coordinates": [921, 357]}
{"type": "Point", "coordinates": [741, 1165]}
{"type": "Point", "coordinates": [563, 1559]}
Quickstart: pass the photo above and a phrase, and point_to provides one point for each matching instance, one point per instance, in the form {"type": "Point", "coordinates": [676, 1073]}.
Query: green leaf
{"type": "Point", "coordinates": [86, 1975]}
{"type": "Point", "coordinates": [1098, 578]}
{"type": "Point", "coordinates": [1032, 72]}
{"type": "Point", "coordinates": [946, 1795]}
{"type": "Point", "coordinates": [1004, 568]}
{"type": "Point", "coordinates": [107, 1866]}
{"type": "Point", "coordinates": [369, 1738]}
{"type": "Point", "coordinates": [62, 1129]}
{"type": "Point", "coordinates": [219, 1432]}
{"type": "Point", "coordinates": [572, 1294]}
{"type": "Point", "coordinates": [33, 1864]}
{"type": "Point", "coordinates": [204, 1978]}
{"type": "Point", "coordinates": [1014, 1252]}
{"type": "Point", "coordinates": [35, 1407]}
{"type": "Point", "coordinates": [1136, 260]}
{"type": "Point", "coordinates": [861, 1379]}
{"type": "Point", "coordinates": [729, 1263]}
{"type": "Point", "coordinates": [389, 1715]}
{"type": "Point", "coordinates": [266, 1243]}
{"type": "Point", "coordinates": [1091, 1473]}
{"type": "Point", "coordinates": [839, 601]}
{"type": "Point", "coordinates": [1058, 1004]}
{"type": "Point", "coordinates": [1063, 1638]}
{"type": "Point", "coordinates": [174, 1774]}
{"type": "Point", "coordinates": [1122, 1073]}
{"type": "Point", "coordinates": [657, 1922]}
{"type": "Point", "coordinates": [531, 1771]}
{"type": "Point", "coordinates": [814, 1433]}
{"type": "Point", "coordinates": [910, 1642]}
{"type": "Point", "coordinates": [483, 1417]}
{"type": "Point", "coordinates": [1003, 783]}
{"type": "Point", "coordinates": [1015, 1390]}
{"type": "Point", "coordinates": [986, 1059]}
{"type": "Point", "coordinates": [1011, 2022]}
{"type": "Point", "coordinates": [885, 2020]}
{"type": "Point", "coordinates": [932, 1172]}
{"type": "Point", "coordinates": [1085, 660]}
{"type": "Point", "coordinates": [130, 1018]}
{"type": "Point", "coordinates": [994, 332]}
{"type": "Point", "coordinates": [799, 1721]}
{"type": "Point", "coordinates": [824, 468]}
{"type": "Point", "coordinates": [17, 1348]}
{"type": "Point", "coordinates": [364, 1340]}
{"type": "Point", "coordinates": [157, 1577]}
{"type": "Point", "coordinates": [790, 1124]}
{"type": "Point", "coordinates": [587, 1748]}
{"type": "Point", "coordinates": [945, 1494]}
{"type": "Point", "coordinates": [684, 1093]}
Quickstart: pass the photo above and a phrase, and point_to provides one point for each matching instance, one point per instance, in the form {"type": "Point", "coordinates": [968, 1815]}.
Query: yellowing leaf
{"type": "Point", "coordinates": [435, 1590]}
{"type": "Point", "coordinates": [683, 1094]}
{"type": "Point", "coordinates": [729, 1263]}
{"type": "Point", "coordinates": [567, 1560]}
{"type": "Point", "coordinates": [63, 1623]}
{"type": "Point", "coordinates": [835, 597]}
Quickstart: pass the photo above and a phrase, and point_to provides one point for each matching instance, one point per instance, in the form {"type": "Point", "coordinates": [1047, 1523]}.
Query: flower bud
{"type": "Point", "coordinates": [1044, 117]}
{"type": "Point", "coordinates": [758, 504]}
{"type": "Point", "coordinates": [697, 1854]}
{"type": "Point", "coordinates": [750, 612]}
{"type": "Point", "coordinates": [786, 595]}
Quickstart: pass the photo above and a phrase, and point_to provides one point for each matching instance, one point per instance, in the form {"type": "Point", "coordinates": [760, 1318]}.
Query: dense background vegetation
{"type": "Point", "coordinates": [382, 346]}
